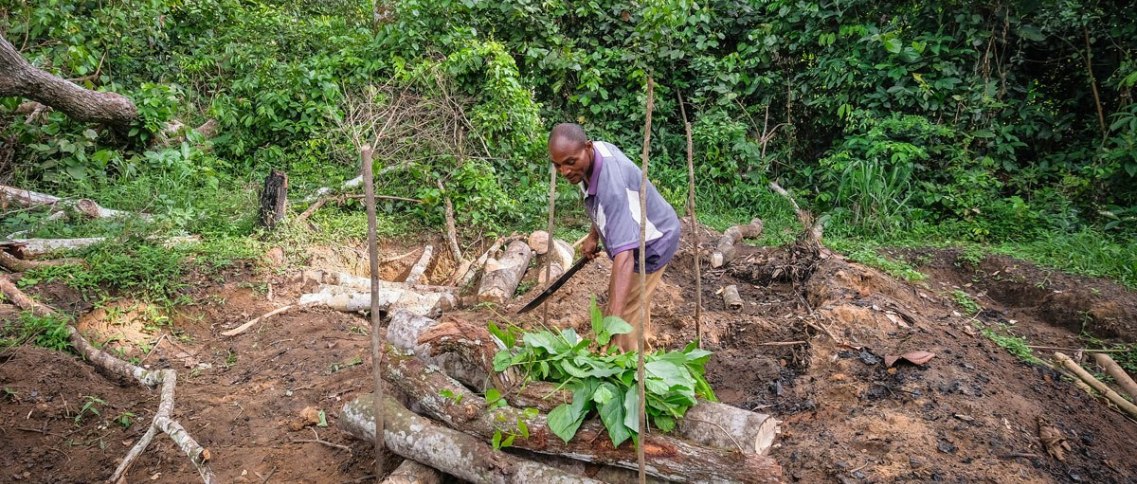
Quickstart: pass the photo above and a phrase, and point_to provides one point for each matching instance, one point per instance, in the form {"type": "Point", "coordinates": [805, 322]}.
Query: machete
{"type": "Point", "coordinates": [556, 285]}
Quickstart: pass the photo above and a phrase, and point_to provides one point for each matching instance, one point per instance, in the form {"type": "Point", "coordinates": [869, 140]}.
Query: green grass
{"type": "Point", "coordinates": [964, 301]}
{"type": "Point", "coordinates": [867, 253]}
{"type": "Point", "coordinates": [1015, 345]}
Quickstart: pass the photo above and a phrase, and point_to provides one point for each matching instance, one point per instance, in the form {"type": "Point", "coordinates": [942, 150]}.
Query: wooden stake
{"type": "Point", "coordinates": [376, 338]}
{"type": "Point", "coordinates": [451, 227]}
{"type": "Point", "coordinates": [1118, 400]}
{"type": "Point", "coordinates": [643, 282]}
{"type": "Point", "coordinates": [549, 257]}
{"type": "Point", "coordinates": [694, 227]}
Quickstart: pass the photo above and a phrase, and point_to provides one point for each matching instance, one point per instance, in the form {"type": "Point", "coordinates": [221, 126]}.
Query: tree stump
{"type": "Point", "coordinates": [274, 199]}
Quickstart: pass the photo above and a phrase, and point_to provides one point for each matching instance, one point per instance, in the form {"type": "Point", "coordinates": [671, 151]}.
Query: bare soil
{"type": "Point", "coordinates": [972, 413]}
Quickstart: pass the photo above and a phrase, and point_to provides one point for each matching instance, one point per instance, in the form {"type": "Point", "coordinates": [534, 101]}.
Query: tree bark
{"type": "Point", "coordinates": [28, 198]}
{"type": "Point", "coordinates": [451, 451]}
{"type": "Point", "coordinates": [418, 270]}
{"type": "Point", "coordinates": [390, 299]}
{"type": "Point", "coordinates": [412, 472]}
{"type": "Point", "coordinates": [731, 298]}
{"type": "Point", "coordinates": [38, 247]}
{"type": "Point", "coordinates": [667, 457]}
{"type": "Point", "coordinates": [499, 284]}
{"type": "Point", "coordinates": [1125, 405]}
{"type": "Point", "coordinates": [559, 260]}
{"type": "Point", "coordinates": [274, 199]}
{"type": "Point", "coordinates": [1113, 369]}
{"type": "Point", "coordinates": [19, 78]}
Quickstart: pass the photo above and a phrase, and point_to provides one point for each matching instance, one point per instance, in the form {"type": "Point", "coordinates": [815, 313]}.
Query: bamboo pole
{"type": "Point", "coordinates": [642, 430]}
{"type": "Point", "coordinates": [376, 338]}
{"type": "Point", "coordinates": [1123, 379]}
{"type": "Point", "coordinates": [694, 227]}
{"type": "Point", "coordinates": [1118, 400]}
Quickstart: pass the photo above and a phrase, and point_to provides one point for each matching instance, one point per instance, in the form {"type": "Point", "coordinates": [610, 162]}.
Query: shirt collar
{"type": "Point", "coordinates": [597, 164]}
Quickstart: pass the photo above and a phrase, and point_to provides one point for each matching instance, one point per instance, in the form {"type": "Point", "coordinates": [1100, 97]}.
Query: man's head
{"type": "Point", "coordinates": [571, 152]}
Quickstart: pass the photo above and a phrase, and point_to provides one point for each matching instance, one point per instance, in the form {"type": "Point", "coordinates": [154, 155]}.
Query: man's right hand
{"type": "Point", "coordinates": [590, 248]}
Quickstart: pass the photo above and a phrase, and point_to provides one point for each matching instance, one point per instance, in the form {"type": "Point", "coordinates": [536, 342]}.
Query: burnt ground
{"type": "Point", "coordinates": [971, 413]}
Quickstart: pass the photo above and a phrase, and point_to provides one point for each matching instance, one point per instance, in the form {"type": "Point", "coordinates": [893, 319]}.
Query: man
{"type": "Point", "coordinates": [611, 185]}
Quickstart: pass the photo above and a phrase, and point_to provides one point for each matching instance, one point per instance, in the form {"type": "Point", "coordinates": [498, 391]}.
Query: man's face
{"type": "Point", "coordinates": [573, 160]}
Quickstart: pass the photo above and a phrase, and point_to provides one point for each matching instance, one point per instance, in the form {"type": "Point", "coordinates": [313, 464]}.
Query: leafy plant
{"type": "Point", "coordinates": [125, 419]}
{"type": "Point", "coordinates": [90, 406]}
{"type": "Point", "coordinates": [604, 380]}
{"type": "Point", "coordinates": [1015, 345]}
{"type": "Point", "coordinates": [964, 301]}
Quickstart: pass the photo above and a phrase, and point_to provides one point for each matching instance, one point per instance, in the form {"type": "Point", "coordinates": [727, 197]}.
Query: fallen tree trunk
{"type": "Point", "coordinates": [20, 78]}
{"type": "Point", "coordinates": [411, 472]}
{"type": "Point", "coordinates": [708, 423]}
{"type": "Point", "coordinates": [503, 276]}
{"type": "Point", "coordinates": [451, 451]}
{"type": "Point", "coordinates": [466, 272]}
{"type": "Point", "coordinates": [725, 247]}
{"type": "Point", "coordinates": [87, 207]}
{"type": "Point", "coordinates": [390, 299]}
{"type": "Point", "coordinates": [561, 260]}
{"type": "Point", "coordinates": [163, 421]}
{"type": "Point", "coordinates": [364, 284]}
{"type": "Point", "coordinates": [38, 247]}
{"type": "Point", "coordinates": [731, 298]}
{"type": "Point", "coordinates": [667, 457]}
{"type": "Point", "coordinates": [14, 264]}
{"type": "Point", "coordinates": [1123, 379]}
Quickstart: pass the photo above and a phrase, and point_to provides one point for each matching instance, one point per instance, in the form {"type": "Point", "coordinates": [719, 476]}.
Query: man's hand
{"type": "Point", "coordinates": [590, 248]}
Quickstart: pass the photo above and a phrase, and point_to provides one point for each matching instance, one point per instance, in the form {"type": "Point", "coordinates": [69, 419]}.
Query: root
{"type": "Point", "coordinates": [197, 454]}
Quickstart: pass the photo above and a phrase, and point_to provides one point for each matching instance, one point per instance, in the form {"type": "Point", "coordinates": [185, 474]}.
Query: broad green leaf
{"type": "Point", "coordinates": [605, 392]}
{"type": "Point", "coordinates": [502, 360]}
{"type": "Point", "coordinates": [573, 368]}
{"type": "Point", "coordinates": [597, 318]}
{"type": "Point", "coordinates": [496, 441]}
{"type": "Point", "coordinates": [893, 45]}
{"type": "Point", "coordinates": [612, 326]}
{"type": "Point", "coordinates": [664, 422]}
{"type": "Point", "coordinates": [563, 422]}
{"type": "Point", "coordinates": [612, 415]}
{"type": "Point", "coordinates": [632, 410]}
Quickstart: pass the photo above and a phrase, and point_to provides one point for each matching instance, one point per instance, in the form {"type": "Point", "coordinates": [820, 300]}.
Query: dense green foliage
{"type": "Point", "coordinates": [990, 122]}
{"type": "Point", "coordinates": [604, 380]}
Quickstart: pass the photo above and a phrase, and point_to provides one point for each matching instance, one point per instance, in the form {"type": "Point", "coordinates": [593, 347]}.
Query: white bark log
{"type": "Point", "coordinates": [87, 207]}
{"type": "Point", "coordinates": [499, 285]}
{"type": "Point", "coordinates": [390, 299]}
{"type": "Point", "coordinates": [1123, 379]}
{"type": "Point", "coordinates": [38, 247]}
{"type": "Point", "coordinates": [539, 242]}
{"type": "Point", "coordinates": [412, 472]}
{"type": "Point", "coordinates": [562, 260]}
{"type": "Point", "coordinates": [454, 452]}
{"type": "Point", "coordinates": [731, 298]}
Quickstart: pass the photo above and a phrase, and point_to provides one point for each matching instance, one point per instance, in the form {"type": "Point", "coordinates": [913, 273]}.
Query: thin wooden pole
{"type": "Point", "coordinates": [643, 283]}
{"type": "Point", "coordinates": [694, 227]}
{"type": "Point", "coordinates": [376, 338]}
{"type": "Point", "coordinates": [549, 251]}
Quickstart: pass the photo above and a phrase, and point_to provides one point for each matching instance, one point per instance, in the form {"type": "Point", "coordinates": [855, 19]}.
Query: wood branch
{"type": "Point", "coordinates": [1120, 401]}
{"type": "Point", "coordinates": [451, 227]}
{"type": "Point", "coordinates": [274, 199]}
{"type": "Point", "coordinates": [695, 244]}
{"type": "Point", "coordinates": [38, 247]}
{"type": "Point", "coordinates": [804, 217]}
{"type": "Point", "coordinates": [390, 299]}
{"type": "Point", "coordinates": [456, 453]}
{"type": "Point", "coordinates": [731, 298]}
{"type": "Point", "coordinates": [667, 457]}
{"type": "Point", "coordinates": [708, 423]}
{"type": "Point", "coordinates": [253, 322]}
{"type": "Point", "coordinates": [1113, 369]}
{"type": "Point", "coordinates": [419, 269]}
{"type": "Point", "coordinates": [14, 264]}
{"type": "Point", "coordinates": [83, 206]}
{"type": "Point", "coordinates": [466, 272]}
{"type": "Point", "coordinates": [199, 456]}
{"type": "Point", "coordinates": [376, 347]}
{"type": "Point", "coordinates": [20, 78]}
{"type": "Point", "coordinates": [498, 285]}
{"type": "Point", "coordinates": [411, 472]}
{"type": "Point", "coordinates": [725, 247]}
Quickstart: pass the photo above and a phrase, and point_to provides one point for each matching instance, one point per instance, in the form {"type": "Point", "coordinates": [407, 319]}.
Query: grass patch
{"type": "Point", "coordinates": [964, 301]}
{"type": "Point", "coordinates": [1015, 345]}
{"type": "Point", "coordinates": [866, 253]}
{"type": "Point", "coordinates": [45, 331]}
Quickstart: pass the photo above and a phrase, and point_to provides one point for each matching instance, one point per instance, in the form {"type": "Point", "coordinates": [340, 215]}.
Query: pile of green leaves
{"type": "Point", "coordinates": [605, 379]}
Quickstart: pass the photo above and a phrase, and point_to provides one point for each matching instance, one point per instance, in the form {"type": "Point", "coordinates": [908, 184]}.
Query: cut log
{"type": "Point", "coordinates": [364, 284]}
{"type": "Point", "coordinates": [418, 270]}
{"type": "Point", "coordinates": [539, 242]}
{"type": "Point", "coordinates": [1120, 401]}
{"type": "Point", "coordinates": [498, 285]}
{"type": "Point", "coordinates": [451, 451]}
{"type": "Point", "coordinates": [468, 270]}
{"type": "Point", "coordinates": [20, 78]}
{"type": "Point", "coordinates": [89, 208]}
{"type": "Point", "coordinates": [667, 457]}
{"type": "Point", "coordinates": [411, 472]}
{"type": "Point", "coordinates": [561, 261]}
{"type": "Point", "coordinates": [390, 299]}
{"type": "Point", "coordinates": [274, 199]}
{"type": "Point", "coordinates": [608, 474]}
{"type": "Point", "coordinates": [725, 247]}
{"type": "Point", "coordinates": [1113, 369]}
{"type": "Point", "coordinates": [731, 298]}
{"type": "Point", "coordinates": [708, 423]}
{"type": "Point", "coordinates": [38, 247]}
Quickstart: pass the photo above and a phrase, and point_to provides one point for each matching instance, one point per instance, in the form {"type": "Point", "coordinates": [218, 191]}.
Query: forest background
{"type": "Point", "coordinates": [996, 126]}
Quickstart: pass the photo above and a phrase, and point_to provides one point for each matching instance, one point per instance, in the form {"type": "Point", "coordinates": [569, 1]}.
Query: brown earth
{"type": "Point", "coordinates": [972, 413]}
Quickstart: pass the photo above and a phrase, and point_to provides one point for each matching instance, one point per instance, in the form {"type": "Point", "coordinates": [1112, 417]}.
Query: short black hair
{"type": "Point", "coordinates": [568, 131]}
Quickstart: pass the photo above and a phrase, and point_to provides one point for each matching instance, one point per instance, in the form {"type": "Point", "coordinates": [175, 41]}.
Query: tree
{"type": "Point", "coordinates": [19, 78]}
